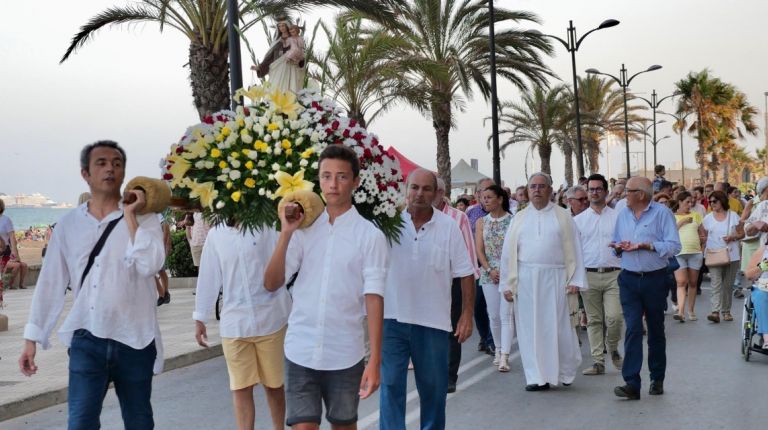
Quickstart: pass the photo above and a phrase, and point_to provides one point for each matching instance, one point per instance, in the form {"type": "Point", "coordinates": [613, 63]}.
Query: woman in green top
{"type": "Point", "coordinates": [692, 236]}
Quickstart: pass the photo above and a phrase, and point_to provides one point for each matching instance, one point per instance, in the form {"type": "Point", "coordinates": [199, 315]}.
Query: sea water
{"type": "Point", "coordinates": [24, 218]}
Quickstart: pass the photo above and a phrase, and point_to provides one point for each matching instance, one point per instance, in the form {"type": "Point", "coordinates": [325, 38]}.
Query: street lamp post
{"type": "Point", "coordinates": [233, 44]}
{"type": "Point", "coordinates": [494, 97]}
{"type": "Point", "coordinates": [624, 83]}
{"type": "Point", "coordinates": [572, 45]}
{"type": "Point", "coordinates": [645, 147]}
{"type": "Point", "coordinates": [654, 103]}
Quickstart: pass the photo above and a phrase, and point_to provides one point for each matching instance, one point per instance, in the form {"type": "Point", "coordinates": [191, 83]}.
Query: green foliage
{"type": "Point", "coordinates": [179, 262]}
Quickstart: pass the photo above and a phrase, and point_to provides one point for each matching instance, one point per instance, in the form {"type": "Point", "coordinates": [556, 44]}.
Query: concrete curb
{"type": "Point", "coordinates": [39, 401]}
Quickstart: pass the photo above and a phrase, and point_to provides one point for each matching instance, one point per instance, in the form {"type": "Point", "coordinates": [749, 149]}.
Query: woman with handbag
{"type": "Point", "coordinates": [724, 230]}
{"type": "Point", "coordinates": [692, 235]}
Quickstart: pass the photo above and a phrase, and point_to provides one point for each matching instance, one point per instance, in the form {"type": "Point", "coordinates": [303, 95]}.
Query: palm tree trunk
{"type": "Point", "coordinates": [358, 116]}
{"type": "Point", "coordinates": [545, 152]}
{"type": "Point", "coordinates": [701, 154]}
{"type": "Point", "coordinates": [593, 156]}
{"type": "Point", "coordinates": [209, 76]}
{"type": "Point", "coordinates": [441, 121]}
{"type": "Point", "coordinates": [726, 171]}
{"type": "Point", "coordinates": [568, 154]}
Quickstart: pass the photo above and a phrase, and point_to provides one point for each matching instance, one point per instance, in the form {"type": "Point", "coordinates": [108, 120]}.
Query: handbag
{"type": "Point", "coordinates": [718, 257]}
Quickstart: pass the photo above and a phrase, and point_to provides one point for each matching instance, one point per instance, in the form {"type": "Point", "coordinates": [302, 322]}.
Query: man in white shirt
{"type": "Point", "coordinates": [601, 300]}
{"type": "Point", "coordinates": [111, 329]}
{"type": "Point", "coordinates": [341, 261]}
{"type": "Point", "coordinates": [417, 318]}
{"type": "Point", "coordinates": [253, 320]}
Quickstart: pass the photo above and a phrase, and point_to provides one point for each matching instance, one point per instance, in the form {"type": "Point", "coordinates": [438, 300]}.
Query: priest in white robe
{"type": "Point", "coordinates": [542, 264]}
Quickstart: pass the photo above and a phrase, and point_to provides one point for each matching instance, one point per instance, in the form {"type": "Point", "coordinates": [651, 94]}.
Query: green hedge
{"type": "Point", "coordinates": [179, 263]}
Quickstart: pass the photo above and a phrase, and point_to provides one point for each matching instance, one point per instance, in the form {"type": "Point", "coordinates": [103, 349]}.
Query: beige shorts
{"type": "Point", "coordinates": [197, 252]}
{"type": "Point", "coordinates": [255, 360]}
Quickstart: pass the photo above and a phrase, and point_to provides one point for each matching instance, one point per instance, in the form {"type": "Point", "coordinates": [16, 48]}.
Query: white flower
{"type": "Point", "coordinates": [278, 151]}
{"type": "Point", "coordinates": [286, 132]}
{"type": "Point", "coordinates": [235, 163]}
{"type": "Point", "coordinates": [222, 178]}
{"type": "Point", "coordinates": [303, 162]}
{"type": "Point", "coordinates": [314, 165]}
{"type": "Point", "coordinates": [225, 170]}
{"type": "Point", "coordinates": [254, 172]}
{"type": "Point", "coordinates": [234, 175]}
{"type": "Point", "coordinates": [219, 204]}
{"type": "Point", "coordinates": [209, 164]}
{"type": "Point", "coordinates": [271, 176]}
{"type": "Point", "coordinates": [208, 138]}
{"type": "Point", "coordinates": [262, 163]}
{"type": "Point", "coordinates": [275, 135]}
{"type": "Point", "coordinates": [261, 191]}
{"type": "Point", "coordinates": [360, 197]}
{"type": "Point", "coordinates": [275, 167]}
{"type": "Point", "coordinates": [267, 138]}
{"type": "Point", "coordinates": [200, 164]}
{"type": "Point", "coordinates": [246, 138]}
{"type": "Point", "coordinates": [288, 164]}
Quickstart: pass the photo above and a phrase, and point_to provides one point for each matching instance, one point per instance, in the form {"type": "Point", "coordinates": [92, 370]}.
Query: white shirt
{"type": "Point", "coordinates": [6, 227]}
{"type": "Point", "coordinates": [118, 299]}
{"type": "Point", "coordinates": [621, 204]}
{"type": "Point", "coordinates": [338, 265]}
{"type": "Point", "coordinates": [421, 269]}
{"type": "Point", "coordinates": [596, 233]}
{"type": "Point", "coordinates": [717, 229]}
{"type": "Point", "coordinates": [236, 261]}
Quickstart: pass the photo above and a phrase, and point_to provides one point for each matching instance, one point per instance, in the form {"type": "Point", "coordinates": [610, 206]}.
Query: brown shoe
{"type": "Point", "coordinates": [714, 317]}
{"type": "Point", "coordinates": [727, 316]}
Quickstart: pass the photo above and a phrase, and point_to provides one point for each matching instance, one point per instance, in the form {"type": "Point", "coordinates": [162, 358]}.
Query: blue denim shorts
{"type": "Point", "coordinates": [307, 389]}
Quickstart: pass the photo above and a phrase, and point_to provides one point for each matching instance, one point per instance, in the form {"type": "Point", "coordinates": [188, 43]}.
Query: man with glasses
{"type": "Point", "coordinates": [541, 266]}
{"type": "Point", "coordinates": [577, 199]}
{"type": "Point", "coordinates": [601, 300]}
{"type": "Point", "coordinates": [645, 237]}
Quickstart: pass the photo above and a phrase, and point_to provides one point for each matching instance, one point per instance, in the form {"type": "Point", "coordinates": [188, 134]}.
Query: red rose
{"type": "Point", "coordinates": [167, 176]}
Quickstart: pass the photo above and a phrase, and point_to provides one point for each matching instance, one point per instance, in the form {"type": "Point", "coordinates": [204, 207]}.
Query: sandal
{"type": "Point", "coordinates": [679, 317]}
{"type": "Point", "coordinates": [692, 316]}
{"type": "Point", "coordinates": [727, 316]}
{"type": "Point", "coordinates": [504, 363]}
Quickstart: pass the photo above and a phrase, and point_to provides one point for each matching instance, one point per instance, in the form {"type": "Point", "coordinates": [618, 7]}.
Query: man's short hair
{"type": "Point", "coordinates": [434, 178]}
{"type": "Point", "coordinates": [598, 177]}
{"type": "Point", "coordinates": [665, 184]}
{"type": "Point", "coordinates": [659, 168]}
{"type": "Point", "coordinates": [341, 152]}
{"type": "Point", "coordinates": [571, 192]}
{"type": "Point", "coordinates": [85, 153]}
{"type": "Point", "coordinates": [699, 188]}
{"type": "Point", "coordinates": [544, 175]}
{"type": "Point", "coordinates": [480, 183]}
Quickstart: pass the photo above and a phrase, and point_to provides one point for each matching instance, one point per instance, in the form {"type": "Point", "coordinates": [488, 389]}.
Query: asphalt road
{"type": "Point", "coordinates": [708, 386]}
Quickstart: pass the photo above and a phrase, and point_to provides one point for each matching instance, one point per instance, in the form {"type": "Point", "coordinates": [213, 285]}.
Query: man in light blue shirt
{"type": "Point", "coordinates": [645, 237]}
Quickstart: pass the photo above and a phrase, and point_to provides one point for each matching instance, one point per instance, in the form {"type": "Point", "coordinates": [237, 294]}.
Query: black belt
{"type": "Point", "coordinates": [602, 269]}
{"type": "Point", "coordinates": [651, 273]}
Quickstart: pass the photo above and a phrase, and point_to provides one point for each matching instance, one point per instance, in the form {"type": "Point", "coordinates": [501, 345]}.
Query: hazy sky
{"type": "Point", "coordinates": [129, 84]}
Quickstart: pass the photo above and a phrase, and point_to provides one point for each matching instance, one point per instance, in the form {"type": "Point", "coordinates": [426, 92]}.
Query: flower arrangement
{"type": "Point", "coordinates": [237, 164]}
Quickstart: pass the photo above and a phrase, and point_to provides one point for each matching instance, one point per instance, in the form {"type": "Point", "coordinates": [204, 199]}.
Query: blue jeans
{"type": "Point", "coordinates": [428, 349]}
{"type": "Point", "coordinates": [94, 363]}
{"type": "Point", "coordinates": [643, 295]}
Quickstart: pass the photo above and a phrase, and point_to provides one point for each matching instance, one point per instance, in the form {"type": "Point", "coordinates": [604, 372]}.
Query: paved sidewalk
{"type": "Point", "coordinates": [20, 395]}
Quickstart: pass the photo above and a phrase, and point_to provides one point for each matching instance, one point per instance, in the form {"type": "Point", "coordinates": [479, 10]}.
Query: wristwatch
{"type": "Point", "coordinates": [651, 248]}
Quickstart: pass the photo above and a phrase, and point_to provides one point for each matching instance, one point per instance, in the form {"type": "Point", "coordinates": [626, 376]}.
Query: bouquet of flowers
{"type": "Point", "coordinates": [237, 164]}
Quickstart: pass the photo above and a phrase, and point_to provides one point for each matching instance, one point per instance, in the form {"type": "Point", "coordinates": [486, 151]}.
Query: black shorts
{"type": "Point", "coordinates": [307, 389]}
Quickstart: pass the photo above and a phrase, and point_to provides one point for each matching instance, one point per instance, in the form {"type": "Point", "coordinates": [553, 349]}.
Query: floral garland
{"type": "Point", "coordinates": [237, 164]}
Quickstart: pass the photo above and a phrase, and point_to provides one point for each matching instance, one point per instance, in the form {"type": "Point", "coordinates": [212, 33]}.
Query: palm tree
{"type": "Point", "coordinates": [204, 23]}
{"type": "Point", "coordinates": [536, 120]}
{"type": "Point", "coordinates": [451, 37]}
{"type": "Point", "coordinates": [361, 69]}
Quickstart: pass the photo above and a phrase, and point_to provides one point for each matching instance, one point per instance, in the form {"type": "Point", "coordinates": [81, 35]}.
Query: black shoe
{"type": "Point", "coordinates": [490, 350]}
{"type": "Point", "coordinates": [452, 388]}
{"type": "Point", "coordinates": [160, 300]}
{"type": "Point", "coordinates": [481, 346]}
{"type": "Point", "coordinates": [167, 297]}
{"type": "Point", "coordinates": [627, 392]}
{"type": "Point", "coordinates": [657, 388]}
{"type": "Point", "coordinates": [536, 387]}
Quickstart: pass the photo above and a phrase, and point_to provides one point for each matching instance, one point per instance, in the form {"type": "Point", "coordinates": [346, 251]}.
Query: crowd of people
{"type": "Point", "coordinates": [303, 308]}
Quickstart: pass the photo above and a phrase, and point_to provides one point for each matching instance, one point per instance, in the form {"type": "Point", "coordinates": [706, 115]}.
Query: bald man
{"type": "Point", "coordinates": [645, 238]}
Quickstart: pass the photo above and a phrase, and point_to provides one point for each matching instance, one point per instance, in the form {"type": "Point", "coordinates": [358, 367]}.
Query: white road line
{"type": "Point", "coordinates": [373, 417]}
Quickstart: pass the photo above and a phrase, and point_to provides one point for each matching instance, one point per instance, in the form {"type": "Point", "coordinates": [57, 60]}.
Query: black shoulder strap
{"type": "Point", "coordinates": [97, 248]}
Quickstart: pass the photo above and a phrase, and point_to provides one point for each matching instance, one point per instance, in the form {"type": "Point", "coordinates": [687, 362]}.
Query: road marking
{"type": "Point", "coordinates": [373, 417]}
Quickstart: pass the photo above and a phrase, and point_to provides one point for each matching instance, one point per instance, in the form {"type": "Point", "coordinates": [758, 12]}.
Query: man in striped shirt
{"type": "Point", "coordinates": [442, 203]}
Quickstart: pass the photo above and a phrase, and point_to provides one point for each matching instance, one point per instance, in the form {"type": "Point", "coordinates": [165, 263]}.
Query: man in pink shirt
{"type": "Point", "coordinates": [443, 204]}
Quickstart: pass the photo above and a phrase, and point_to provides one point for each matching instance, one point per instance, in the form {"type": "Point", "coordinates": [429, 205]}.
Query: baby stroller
{"type": "Point", "coordinates": [751, 341]}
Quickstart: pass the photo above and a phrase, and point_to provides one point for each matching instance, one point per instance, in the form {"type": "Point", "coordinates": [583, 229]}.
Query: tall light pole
{"type": "Point", "coordinates": [494, 98]}
{"type": "Point", "coordinates": [233, 44]}
{"type": "Point", "coordinates": [624, 83]}
{"type": "Point", "coordinates": [680, 122]}
{"type": "Point", "coordinates": [645, 147]}
{"type": "Point", "coordinates": [654, 103]}
{"type": "Point", "coordinates": [572, 45]}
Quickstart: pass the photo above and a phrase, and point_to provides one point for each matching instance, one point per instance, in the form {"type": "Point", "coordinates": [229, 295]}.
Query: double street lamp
{"type": "Point", "coordinates": [654, 103]}
{"type": "Point", "coordinates": [624, 82]}
{"type": "Point", "coordinates": [572, 45]}
{"type": "Point", "coordinates": [645, 144]}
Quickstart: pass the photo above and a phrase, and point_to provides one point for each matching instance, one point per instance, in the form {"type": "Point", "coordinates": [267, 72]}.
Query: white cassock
{"type": "Point", "coordinates": [549, 348]}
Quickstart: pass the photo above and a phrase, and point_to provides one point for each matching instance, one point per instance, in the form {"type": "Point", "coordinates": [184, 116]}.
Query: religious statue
{"type": "Point", "coordinates": [284, 63]}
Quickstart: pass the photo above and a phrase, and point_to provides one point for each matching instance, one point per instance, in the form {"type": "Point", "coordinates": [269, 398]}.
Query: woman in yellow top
{"type": "Point", "coordinates": [692, 236]}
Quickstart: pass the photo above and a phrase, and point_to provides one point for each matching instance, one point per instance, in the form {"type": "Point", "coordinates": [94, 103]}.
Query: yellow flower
{"type": "Point", "coordinates": [285, 103]}
{"type": "Point", "coordinates": [223, 164]}
{"type": "Point", "coordinates": [225, 131]}
{"type": "Point", "coordinates": [285, 143]}
{"type": "Point", "coordinates": [273, 126]}
{"type": "Point", "coordinates": [250, 183]}
{"type": "Point", "coordinates": [196, 150]}
{"type": "Point", "coordinates": [236, 196]}
{"type": "Point", "coordinates": [205, 192]}
{"type": "Point", "coordinates": [290, 183]}
{"type": "Point", "coordinates": [229, 185]}
{"type": "Point", "coordinates": [249, 165]}
{"type": "Point", "coordinates": [215, 153]}
{"type": "Point", "coordinates": [240, 122]}
{"type": "Point", "coordinates": [178, 169]}
{"type": "Point", "coordinates": [260, 146]}
{"type": "Point", "coordinates": [246, 151]}
{"type": "Point", "coordinates": [308, 153]}
{"type": "Point", "coordinates": [254, 93]}
{"type": "Point", "coordinates": [220, 138]}
{"type": "Point", "coordinates": [288, 151]}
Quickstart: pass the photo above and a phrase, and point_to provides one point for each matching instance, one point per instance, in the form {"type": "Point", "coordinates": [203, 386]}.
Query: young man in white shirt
{"type": "Point", "coordinates": [111, 329]}
{"type": "Point", "coordinates": [253, 320]}
{"type": "Point", "coordinates": [430, 253]}
{"type": "Point", "coordinates": [341, 261]}
{"type": "Point", "coordinates": [601, 301]}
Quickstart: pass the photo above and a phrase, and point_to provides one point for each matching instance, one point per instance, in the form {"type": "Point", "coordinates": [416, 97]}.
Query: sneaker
{"type": "Point", "coordinates": [618, 362]}
{"type": "Point", "coordinates": [727, 316]}
{"type": "Point", "coordinates": [714, 317]}
{"type": "Point", "coordinates": [595, 369]}
{"type": "Point", "coordinates": [738, 293]}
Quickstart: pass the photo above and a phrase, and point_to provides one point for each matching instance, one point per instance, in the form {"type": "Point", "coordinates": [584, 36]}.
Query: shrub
{"type": "Point", "coordinates": [179, 262]}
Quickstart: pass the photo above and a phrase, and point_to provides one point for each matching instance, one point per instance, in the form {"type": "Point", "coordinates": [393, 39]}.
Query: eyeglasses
{"type": "Point", "coordinates": [632, 191]}
{"type": "Point", "coordinates": [714, 201]}
{"type": "Point", "coordinates": [596, 190]}
{"type": "Point", "coordinates": [538, 186]}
